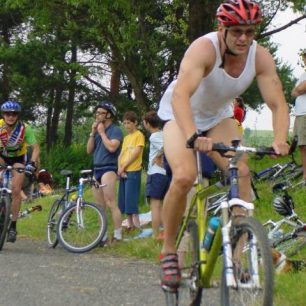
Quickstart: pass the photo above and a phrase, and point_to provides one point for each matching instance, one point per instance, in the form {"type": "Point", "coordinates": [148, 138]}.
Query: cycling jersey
{"type": "Point", "coordinates": [15, 144]}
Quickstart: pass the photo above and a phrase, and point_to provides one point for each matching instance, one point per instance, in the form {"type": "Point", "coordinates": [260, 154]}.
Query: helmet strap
{"type": "Point", "coordinates": [227, 50]}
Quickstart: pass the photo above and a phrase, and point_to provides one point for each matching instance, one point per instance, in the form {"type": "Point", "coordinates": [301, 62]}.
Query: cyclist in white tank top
{"type": "Point", "coordinates": [211, 104]}
{"type": "Point", "coordinates": [214, 70]}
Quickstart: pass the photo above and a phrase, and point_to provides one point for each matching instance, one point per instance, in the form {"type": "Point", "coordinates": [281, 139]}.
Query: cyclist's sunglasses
{"type": "Point", "coordinates": [10, 114]}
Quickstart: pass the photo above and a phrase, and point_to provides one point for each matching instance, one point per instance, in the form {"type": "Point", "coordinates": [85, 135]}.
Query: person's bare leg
{"type": "Point", "coordinates": [156, 206]}
{"type": "Point", "coordinates": [182, 163]}
{"type": "Point", "coordinates": [136, 220]}
{"type": "Point", "coordinates": [232, 132]}
{"type": "Point", "coordinates": [109, 191]}
{"type": "Point", "coordinates": [303, 158]}
{"type": "Point", "coordinates": [17, 182]}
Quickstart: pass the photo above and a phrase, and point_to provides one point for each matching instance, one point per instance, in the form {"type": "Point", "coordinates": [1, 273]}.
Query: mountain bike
{"type": "Point", "coordinates": [6, 199]}
{"type": "Point", "coordinates": [245, 261]}
{"type": "Point", "coordinates": [58, 206]}
{"type": "Point", "coordinates": [82, 225]}
{"type": "Point", "coordinates": [287, 235]}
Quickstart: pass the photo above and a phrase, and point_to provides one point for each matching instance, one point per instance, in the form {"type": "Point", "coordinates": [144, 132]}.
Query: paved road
{"type": "Point", "coordinates": [32, 274]}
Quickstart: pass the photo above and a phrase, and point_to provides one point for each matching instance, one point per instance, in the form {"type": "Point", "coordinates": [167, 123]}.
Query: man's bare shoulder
{"type": "Point", "coordinates": [202, 50]}
{"type": "Point", "coordinates": [264, 60]}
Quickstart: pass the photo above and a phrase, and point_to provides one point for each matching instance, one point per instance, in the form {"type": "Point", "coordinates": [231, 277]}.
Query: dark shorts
{"type": "Point", "coordinates": [13, 160]}
{"type": "Point", "coordinates": [300, 129]}
{"type": "Point", "coordinates": [157, 186]}
{"type": "Point", "coordinates": [129, 191]}
{"type": "Point", "coordinates": [99, 172]}
{"type": "Point", "coordinates": [208, 166]}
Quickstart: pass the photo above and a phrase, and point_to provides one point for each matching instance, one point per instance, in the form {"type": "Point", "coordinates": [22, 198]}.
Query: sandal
{"type": "Point", "coordinates": [170, 272]}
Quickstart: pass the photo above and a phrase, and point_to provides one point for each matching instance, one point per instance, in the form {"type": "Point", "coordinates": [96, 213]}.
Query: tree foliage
{"type": "Point", "coordinates": [59, 58]}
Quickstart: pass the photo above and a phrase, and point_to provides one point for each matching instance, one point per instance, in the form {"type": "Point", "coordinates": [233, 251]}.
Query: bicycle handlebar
{"type": "Point", "coordinates": [8, 167]}
{"type": "Point", "coordinates": [222, 149]}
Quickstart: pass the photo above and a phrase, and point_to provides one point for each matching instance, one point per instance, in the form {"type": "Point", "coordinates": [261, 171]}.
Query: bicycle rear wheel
{"type": "Point", "coordinates": [253, 269]}
{"type": "Point", "coordinates": [81, 231]}
{"type": "Point", "coordinates": [53, 218]}
{"type": "Point", "coordinates": [4, 218]}
{"type": "Point", "coordinates": [291, 244]}
{"type": "Point", "coordinates": [190, 291]}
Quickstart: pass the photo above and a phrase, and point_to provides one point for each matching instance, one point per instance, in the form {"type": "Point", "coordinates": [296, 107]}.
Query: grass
{"type": "Point", "coordinates": [289, 288]}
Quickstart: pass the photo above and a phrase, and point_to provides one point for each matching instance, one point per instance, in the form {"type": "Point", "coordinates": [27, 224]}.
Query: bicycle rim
{"type": "Point", "coordinates": [53, 218]}
{"type": "Point", "coordinates": [253, 269]}
{"type": "Point", "coordinates": [80, 238]}
{"type": "Point", "coordinates": [290, 247]}
{"type": "Point", "coordinates": [4, 219]}
{"type": "Point", "coordinates": [190, 291]}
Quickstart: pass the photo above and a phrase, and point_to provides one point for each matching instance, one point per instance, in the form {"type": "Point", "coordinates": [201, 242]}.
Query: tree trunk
{"type": "Point", "coordinates": [115, 81]}
{"type": "Point", "coordinates": [57, 107]}
{"type": "Point", "coordinates": [70, 104]}
{"type": "Point", "coordinates": [201, 17]}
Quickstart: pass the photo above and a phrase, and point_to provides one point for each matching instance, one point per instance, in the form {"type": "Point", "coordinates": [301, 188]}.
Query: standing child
{"type": "Point", "coordinates": [157, 180]}
{"type": "Point", "coordinates": [129, 169]}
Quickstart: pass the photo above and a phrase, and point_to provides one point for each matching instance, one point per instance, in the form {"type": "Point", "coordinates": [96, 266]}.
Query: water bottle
{"type": "Point", "coordinates": [210, 233]}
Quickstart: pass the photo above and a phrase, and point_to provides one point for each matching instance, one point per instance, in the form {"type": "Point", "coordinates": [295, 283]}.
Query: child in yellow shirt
{"type": "Point", "coordinates": [129, 169]}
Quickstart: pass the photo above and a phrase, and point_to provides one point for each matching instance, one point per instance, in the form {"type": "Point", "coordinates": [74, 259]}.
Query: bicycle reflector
{"type": "Point", "coordinates": [283, 205]}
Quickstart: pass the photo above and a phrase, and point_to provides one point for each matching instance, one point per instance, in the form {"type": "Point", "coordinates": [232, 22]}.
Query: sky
{"type": "Point", "coordinates": [289, 41]}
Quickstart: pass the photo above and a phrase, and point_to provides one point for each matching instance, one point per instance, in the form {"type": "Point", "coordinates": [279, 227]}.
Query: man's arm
{"type": "Point", "coordinates": [35, 153]}
{"type": "Point", "coordinates": [299, 89]}
{"type": "Point", "coordinates": [272, 92]}
{"type": "Point", "coordinates": [197, 60]}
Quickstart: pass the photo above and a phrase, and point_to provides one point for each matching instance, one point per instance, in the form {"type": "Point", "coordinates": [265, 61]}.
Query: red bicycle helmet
{"type": "Point", "coordinates": [239, 12]}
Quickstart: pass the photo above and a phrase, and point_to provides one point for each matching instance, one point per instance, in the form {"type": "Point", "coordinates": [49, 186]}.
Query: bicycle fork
{"type": "Point", "coordinates": [227, 247]}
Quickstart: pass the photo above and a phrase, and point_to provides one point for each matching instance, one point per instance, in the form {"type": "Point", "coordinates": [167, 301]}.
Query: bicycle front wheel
{"type": "Point", "coordinates": [189, 260]}
{"type": "Point", "coordinates": [253, 269]}
{"type": "Point", "coordinates": [4, 218]}
{"type": "Point", "coordinates": [53, 218]}
{"type": "Point", "coordinates": [80, 230]}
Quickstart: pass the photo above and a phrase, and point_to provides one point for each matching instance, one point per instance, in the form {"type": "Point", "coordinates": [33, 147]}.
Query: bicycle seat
{"type": "Point", "coordinates": [66, 172]}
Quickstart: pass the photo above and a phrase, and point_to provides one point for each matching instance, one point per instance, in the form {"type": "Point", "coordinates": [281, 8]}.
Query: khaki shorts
{"type": "Point", "coordinates": [300, 129]}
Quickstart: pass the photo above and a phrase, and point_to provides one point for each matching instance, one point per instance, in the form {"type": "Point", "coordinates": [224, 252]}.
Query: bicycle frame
{"type": "Point", "coordinates": [199, 201]}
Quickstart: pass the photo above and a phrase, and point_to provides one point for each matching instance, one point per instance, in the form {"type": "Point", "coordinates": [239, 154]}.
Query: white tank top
{"type": "Point", "coordinates": [212, 100]}
{"type": "Point", "coordinates": [300, 101]}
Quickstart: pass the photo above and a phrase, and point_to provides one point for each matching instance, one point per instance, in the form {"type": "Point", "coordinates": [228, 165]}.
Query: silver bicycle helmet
{"type": "Point", "coordinates": [11, 106]}
{"type": "Point", "coordinates": [108, 106]}
{"type": "Point", "coordinates": [282, 206]}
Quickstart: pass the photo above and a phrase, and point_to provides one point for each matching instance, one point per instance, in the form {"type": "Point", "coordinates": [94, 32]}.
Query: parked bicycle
{"type": "Point", "coordinates": [287, 235]}
{"type": "Point", "coordinates": [281, 171]}
{"type": "Point", "coordinates": [58, 206]}
{"type": "Point", "coordinates": [82, 224]}
{"type": "Point", "coordinates": [246, 271]}
{"type": "Point", "coordinates": [6, 199]}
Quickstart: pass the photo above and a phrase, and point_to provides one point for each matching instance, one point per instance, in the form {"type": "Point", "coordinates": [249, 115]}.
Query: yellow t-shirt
{"type": "Point", "coordinates": [130, 142]}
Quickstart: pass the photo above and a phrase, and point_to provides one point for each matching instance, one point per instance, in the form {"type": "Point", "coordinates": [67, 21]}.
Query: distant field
{"type": "Point", "coordinates": [259, 137]}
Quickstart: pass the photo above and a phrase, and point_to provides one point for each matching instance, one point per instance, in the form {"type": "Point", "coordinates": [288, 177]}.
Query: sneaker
{"type": "Point", "coordinates": [11, 236]}
{"type": "Point", "coordinates": [170, 271]}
